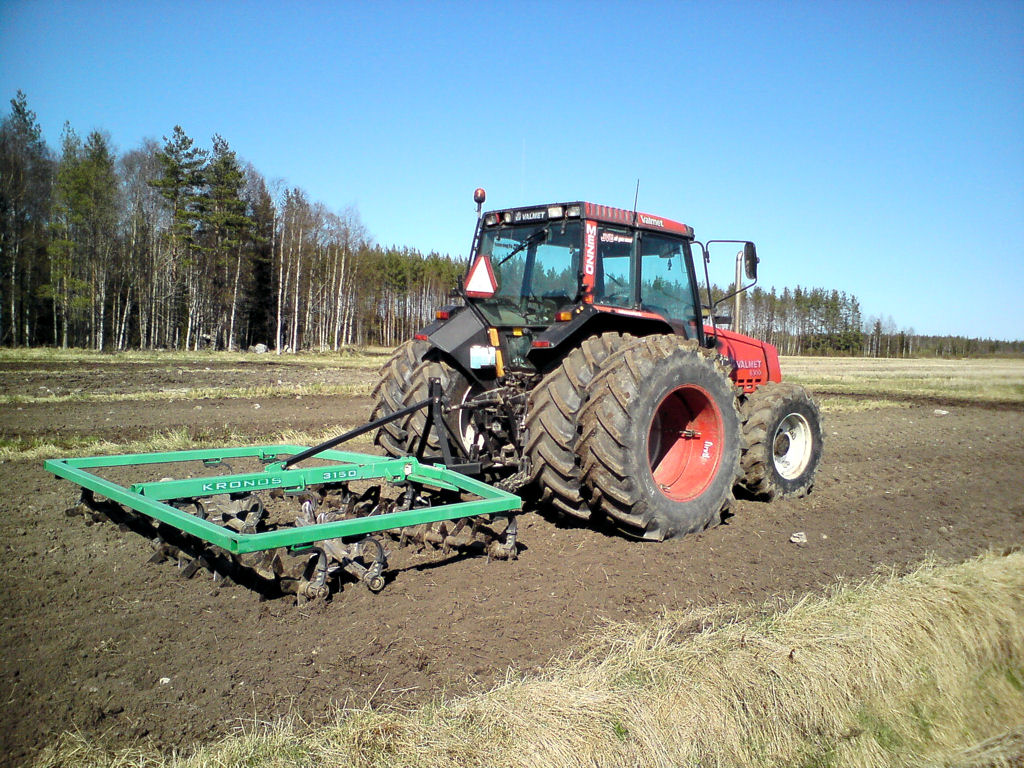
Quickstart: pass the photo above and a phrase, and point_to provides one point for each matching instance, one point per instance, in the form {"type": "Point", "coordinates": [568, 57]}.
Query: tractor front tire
{"type": "Point", "coordinates": [660, 440]}
{"type": "Point", "coordinates": [390, 391]}
{"type": "Point", "coordinates": [782, 441]}
{"type": "Point", "coordinates": [552, 419]}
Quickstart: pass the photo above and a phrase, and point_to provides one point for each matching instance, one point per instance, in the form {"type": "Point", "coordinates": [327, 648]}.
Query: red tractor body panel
{"type": "Point", "coordinates": [755, 362]}
{"type": "Point", "coordinates": [609, 215]}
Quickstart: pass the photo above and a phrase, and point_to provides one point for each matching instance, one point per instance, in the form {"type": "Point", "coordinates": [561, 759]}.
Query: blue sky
{"type": "Point", "coordinates": [875, 148]}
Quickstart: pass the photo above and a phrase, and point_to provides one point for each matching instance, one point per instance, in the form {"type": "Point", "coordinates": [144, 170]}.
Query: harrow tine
{"type": "Point", "coordinates": [160, 554]}
{"type": "Point", "coordinates": [193, 567]}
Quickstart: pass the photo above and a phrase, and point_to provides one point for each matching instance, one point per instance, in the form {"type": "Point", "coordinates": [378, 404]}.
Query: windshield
{"type": "Point", "coordinates": [536, 267]}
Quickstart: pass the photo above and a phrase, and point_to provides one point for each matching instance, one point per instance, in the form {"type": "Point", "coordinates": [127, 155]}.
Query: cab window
{"type": "Point", "coordinates": [665, 285]}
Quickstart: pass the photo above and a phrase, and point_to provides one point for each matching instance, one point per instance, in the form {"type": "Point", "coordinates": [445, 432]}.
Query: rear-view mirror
{"type": "Point", "coordinates": [750, 261]}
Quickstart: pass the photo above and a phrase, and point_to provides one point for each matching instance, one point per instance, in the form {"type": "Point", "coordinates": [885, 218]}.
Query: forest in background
{"type": "Point", "coordinates": [171, 245]}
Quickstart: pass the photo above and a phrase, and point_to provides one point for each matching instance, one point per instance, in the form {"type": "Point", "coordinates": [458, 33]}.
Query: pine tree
{"type": "Point", "coordinates": [101, 193]}
{"type": "Point", "coordinates": [227, 227]}
{"type": "Point", "coordinates": [84, 252]}
{"type": "Point", "coordinates": [66, 288]}
{"type": "Point", "coordinates": [259, 302]}
{"type": "Point", "coordinates": [180, 183]}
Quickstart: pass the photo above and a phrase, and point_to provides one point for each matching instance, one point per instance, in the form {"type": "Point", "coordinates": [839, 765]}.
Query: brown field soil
{"type": "Point", "coordinates": [97, 640]}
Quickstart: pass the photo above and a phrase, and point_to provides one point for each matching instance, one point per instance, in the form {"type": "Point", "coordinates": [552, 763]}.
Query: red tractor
{"type": "Point", "coordinates": [579, 365]}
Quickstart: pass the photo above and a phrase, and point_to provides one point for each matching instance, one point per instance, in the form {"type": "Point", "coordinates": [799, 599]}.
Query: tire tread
{"type": "Point", "coordinates": [552, 423]}
{"type": "Point", "coordinates": [389, 394]}
{"type": "Point", "coordinates": [759, 412]}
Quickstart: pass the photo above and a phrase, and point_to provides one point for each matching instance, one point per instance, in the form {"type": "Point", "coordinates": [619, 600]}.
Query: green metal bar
{"type": "Point", "coordinates": [391, 471]}
{"type": "Point", "coordinates": [196, 526]}
{"type": "Point", "coordinates": [264, 453]}
{"type": "Point", "coordinates": [148, 498]}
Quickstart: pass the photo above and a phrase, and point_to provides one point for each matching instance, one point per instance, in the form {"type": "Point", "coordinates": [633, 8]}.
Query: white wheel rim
{"type": "Point", "coordinates": [791, 446]}
{"type": "Point", "coordinates": [468, 432]}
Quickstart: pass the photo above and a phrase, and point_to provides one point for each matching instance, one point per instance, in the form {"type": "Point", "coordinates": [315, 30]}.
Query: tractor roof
{"type": "Point", "coordinates": [592, 211]}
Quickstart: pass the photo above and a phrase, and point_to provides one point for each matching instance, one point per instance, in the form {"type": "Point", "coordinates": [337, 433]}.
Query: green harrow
{"type": "Point", "coordinates": [286, 529]}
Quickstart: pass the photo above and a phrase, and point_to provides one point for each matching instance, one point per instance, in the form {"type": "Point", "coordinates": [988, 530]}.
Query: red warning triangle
{"type": "Point", "coordinates": [480, 282]}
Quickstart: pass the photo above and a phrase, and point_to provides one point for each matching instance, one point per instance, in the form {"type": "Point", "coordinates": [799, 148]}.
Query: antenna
{"type": "Point", "coordinates": [635, 198]}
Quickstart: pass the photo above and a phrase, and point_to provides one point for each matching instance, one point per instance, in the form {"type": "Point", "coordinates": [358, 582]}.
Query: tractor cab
{"type": "Point", "coordinates": [542, 279]}
{"type": "Point", "coordinates": [534, 267]}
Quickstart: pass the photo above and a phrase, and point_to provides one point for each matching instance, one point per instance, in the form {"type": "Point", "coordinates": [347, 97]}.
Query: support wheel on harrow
{"type": "Point", "coordinates": [390, 393]}
{"type": "Point", "coordinates": [782, 441]}
{"type": "Point", "coordinates": [552, 420]}
{"type": "Point", "coordinates": [660, 440]}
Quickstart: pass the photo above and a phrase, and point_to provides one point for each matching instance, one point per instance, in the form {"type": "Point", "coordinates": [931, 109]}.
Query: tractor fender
{"type": "Point", "coordinates": [754, 362]}
{"type": "Point", "coordinates": [587, 321]}
{"type": "Point", "coordinates": [454, 337]}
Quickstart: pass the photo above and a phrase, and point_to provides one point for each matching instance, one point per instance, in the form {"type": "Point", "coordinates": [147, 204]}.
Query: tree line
{"type": "Point", "coordinates": [172, 245]}
{"type": "Point", "coordinates": [818, 321]}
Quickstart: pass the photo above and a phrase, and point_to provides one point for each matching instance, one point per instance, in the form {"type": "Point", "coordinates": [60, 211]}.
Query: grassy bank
{"type": "Point", "coordinates": [898, 671]}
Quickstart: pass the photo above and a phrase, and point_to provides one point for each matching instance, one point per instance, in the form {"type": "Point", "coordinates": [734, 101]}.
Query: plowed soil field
{"type": "Point", "coordinates": [96, 639]}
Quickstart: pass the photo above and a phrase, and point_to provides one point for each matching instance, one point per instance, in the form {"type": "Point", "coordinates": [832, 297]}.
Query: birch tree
{"type": "Point", "coordinates": [26, 171]}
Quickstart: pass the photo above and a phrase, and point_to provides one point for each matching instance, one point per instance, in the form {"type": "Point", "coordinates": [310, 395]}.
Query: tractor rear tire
{"type": "Point", "coordinates": [782, 441]}
{"type": "Point", "coordinates": [390, 394]}
{"type": "Point", "coordinates": [455, 387]}
{"type": "Point", "coordinates": [552, 420]}
{"type": "Point", "coordinates": [660, 440]}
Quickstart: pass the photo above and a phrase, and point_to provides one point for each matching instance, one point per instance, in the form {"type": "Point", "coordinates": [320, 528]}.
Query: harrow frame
{"type": "Point", "coordinates": [334, 537]}
{"type": "Point", "coordinates": [150, 498]}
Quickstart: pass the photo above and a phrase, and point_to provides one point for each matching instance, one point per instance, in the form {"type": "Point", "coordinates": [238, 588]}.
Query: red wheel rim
{"type": "Point", "coordinates": [684, 445]}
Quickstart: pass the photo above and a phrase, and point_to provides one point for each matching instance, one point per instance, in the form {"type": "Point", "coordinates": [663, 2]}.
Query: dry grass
{"type": "Point", "coordinates": [197, 393]}
{"type": "Point", "coordinates": [839, 384]}
{"type": "Point", "coordinates": [347, 357]}
{"type": "Point", "coordinates": [858, 383]}
{"type": "Point", "coordinates": [40, 449]}
{"type": "Point", "coordinates": [898, 671]}
{"type": "Point", "coordinates": [1003, 751]}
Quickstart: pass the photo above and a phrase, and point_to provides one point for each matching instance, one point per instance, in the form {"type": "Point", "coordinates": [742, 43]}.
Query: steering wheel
{"type": "Point", "coordinates": [616, 298]}
{"type": "Point", "coordinates": [508, 303]}
{"type": "Point", "coordinates": [540, 303]}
